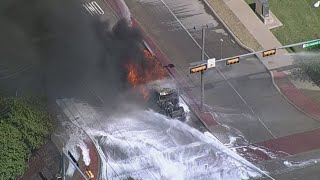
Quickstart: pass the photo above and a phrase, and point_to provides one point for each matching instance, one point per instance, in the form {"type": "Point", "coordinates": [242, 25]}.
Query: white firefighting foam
{"type": "Point", "coordinates": [148, 145]}
{"type": "Point", "coordinates": [73, 144]}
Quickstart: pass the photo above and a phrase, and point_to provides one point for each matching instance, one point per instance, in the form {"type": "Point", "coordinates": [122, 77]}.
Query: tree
{"type": "Point", "coordinates": [24, 127]}
{"type": "Point", "coordinates": [13, 152]}
{"type": "Point", "coordinates": [27, 115]}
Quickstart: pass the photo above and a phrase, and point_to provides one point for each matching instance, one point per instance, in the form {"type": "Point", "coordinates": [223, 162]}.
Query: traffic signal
{"type": "Point", "coordinates": [269, 52]}
{"type": "Point", "coordinates": [232, 61]}
{"type": "Point", "coordinates": [198, 68]}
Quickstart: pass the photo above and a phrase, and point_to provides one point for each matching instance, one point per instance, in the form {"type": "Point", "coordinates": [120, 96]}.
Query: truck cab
{"type": "Point", "coordinates": [168, 100]}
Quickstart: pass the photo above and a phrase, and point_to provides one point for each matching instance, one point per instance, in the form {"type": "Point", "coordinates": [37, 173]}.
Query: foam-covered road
{"type": "Point", "coordinates": [232, 101]}
{"type": "Point", "coordinates": [144, 144]}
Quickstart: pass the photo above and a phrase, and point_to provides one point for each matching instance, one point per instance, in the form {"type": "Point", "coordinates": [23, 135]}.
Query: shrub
{"type": "Point", "coordinates": [24, 126]}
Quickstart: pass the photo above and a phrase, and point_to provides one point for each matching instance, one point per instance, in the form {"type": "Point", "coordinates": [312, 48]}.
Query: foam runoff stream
{"type": "Point", "coordinates": [145, 144]}
{"type": "Point", "coordinates": [76, 146]}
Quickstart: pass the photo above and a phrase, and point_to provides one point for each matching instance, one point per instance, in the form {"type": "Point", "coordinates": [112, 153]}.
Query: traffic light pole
{"type": "Point", "coordinates": [305, 44]}
{"type": "Point", "coordinates": [203, 62]}
{"type": "Point", "coordinates": [202, 72]}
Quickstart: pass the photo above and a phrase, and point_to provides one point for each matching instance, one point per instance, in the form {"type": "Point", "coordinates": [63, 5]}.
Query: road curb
{"type": "Point", "coordinates": [93, 151]}
{"type": "Point", "coordinates": [227, 27]}
{"type": "Point", "coordinates": [95, 163]}
{"type": "Point", "coordinates": [294, 144]}
{"type": "Point", "coordinates": [295, 97]}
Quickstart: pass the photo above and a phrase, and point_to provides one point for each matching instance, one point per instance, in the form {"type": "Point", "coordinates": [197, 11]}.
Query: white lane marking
{"type": "Point", "coordinates": [16, 73]}
{"type": "Point", "coordinates": [218, 69]}
{"type": "Point", "coordinates": [93, 8]}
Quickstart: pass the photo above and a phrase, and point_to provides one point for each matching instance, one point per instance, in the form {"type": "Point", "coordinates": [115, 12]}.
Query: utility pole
{"type": "Point", "coordinates": [203, 60]}
{"type": "Point", "coordinates": [221, 40]}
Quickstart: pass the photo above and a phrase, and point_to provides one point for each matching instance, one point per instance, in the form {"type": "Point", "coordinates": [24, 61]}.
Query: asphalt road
{"type": "Point", "coordinates": [247, 97]}
{"type": "Point", "coordinates": [254, 106]}
{"type": "Point", "coordinates": [18, 59]}
{"type": "Point", "coordinates": [241, 96]}
{"type": "Point", "coordinates": [247, 100]}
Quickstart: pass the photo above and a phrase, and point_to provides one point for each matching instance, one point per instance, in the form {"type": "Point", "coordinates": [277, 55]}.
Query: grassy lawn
{"type": "Point", "coordinates": [234, 24]}
{"type": "Point", "coordinates": [300, 20]}
{"type": "Point", "coordinates": [250, 1]}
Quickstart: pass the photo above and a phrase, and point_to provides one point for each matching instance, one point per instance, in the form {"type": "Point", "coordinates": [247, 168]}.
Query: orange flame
{"type": "Point", "coordinates": [148, 54]}
{"type": "Point", "coordinates": [139, 76]}
{"type": "Point", "coordinates": [133, 74]}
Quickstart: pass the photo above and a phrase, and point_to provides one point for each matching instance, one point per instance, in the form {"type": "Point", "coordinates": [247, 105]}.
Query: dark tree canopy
{"type": "Point", "coordinates": [24, 127]}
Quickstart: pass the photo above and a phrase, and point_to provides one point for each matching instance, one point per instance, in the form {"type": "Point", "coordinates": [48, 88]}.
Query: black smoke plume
{"type": "Point", "coordinates": [70, 53]}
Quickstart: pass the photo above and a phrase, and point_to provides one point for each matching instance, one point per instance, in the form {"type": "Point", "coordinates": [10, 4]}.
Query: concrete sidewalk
{"type": "Point", "coordinates": [261, 33]}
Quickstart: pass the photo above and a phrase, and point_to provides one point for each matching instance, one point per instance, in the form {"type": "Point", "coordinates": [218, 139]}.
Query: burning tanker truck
{"type": "Point", "coordinates": [168, 101]}
{"type": "Point", "coordinates": [148, 82]}
{"type": "Point", "coordinates": [166, 97]}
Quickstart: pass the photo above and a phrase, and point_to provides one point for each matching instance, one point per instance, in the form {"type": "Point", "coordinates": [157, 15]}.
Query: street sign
{"type": "Point", "coordinates": [306, 45]}
{"type": "Point", "coordinates": [211, 63]}
{"type": "Point", "coordinates": [269, 52]}
{"type": "Point", "coordinates": [198, 68]}
{"type": "Point", "coordinates": [233, 61]}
